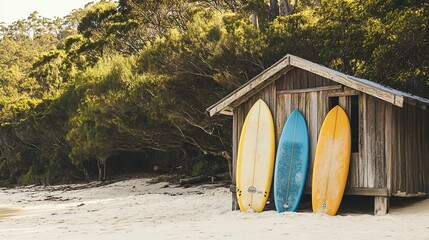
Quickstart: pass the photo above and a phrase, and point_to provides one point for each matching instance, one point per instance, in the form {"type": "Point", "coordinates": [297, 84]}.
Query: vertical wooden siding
{"type": "Point", "coordinates": [313, 112]}
{"type": "Point", "coordinates": [393, 142]}
{"type": "Point", "coordinates": [368, 166]}
{"type": "Point", "coordinates": [313, 105]}
{"type": "Point", "coordinates": [409, 152]}
{"type": "Point", "coordinates": [372, 147]}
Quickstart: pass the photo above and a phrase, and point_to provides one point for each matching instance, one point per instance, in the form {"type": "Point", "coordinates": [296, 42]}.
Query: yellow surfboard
{"type": "Point", "coordinates": [331, 162]}
{"type": "Point", "coordinates": [255, 158]}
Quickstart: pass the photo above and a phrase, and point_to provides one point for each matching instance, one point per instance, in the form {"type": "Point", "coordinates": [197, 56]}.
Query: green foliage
{"type": "Point", "coordinates": [135, 77]}
{"type": "Point", "coordinates": [400, 59]}
{"type": "Point", "coordinates": [292, 34]}
{"type": "Point", "coordinates": [340, 35]}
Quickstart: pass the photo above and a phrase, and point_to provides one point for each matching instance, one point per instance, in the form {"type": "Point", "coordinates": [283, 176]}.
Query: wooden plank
{"type": "Point", "coordinates": [423, 148]}
{"type": "Point", "coordinates": [296, 82]}
{"type": "Point", "coordinates": [281, 82]}
{"type": "Point", "coordinates": [394, 149]}
{"type": "Point", "coordinates": [380, 124]}
{"type": "Point", "coordinates": [295, 101]}
{"type": "Point", "coordinates": [406, 169]}
{"type": "Point", "coordinates": [345, 103]}
{"type": "Point", "coordinates": [381, 205]}
{"type": "Point", "coordinates": [377, 91]}
{"type": "Point", "coordinates": [322, 109]}
{"type": "Point", "coordinates": [316, 89]}
{"type": "Point", "coordinates": [307, 107]}
{"type": "Point", "coordinates": [302, 101]}
{"type": "Point", "coordinates": [344, 93]}
{"type": "Point", "coordinates": [288, 104]}
{"type": "Point", "coordinates": [396, 162]}
{"type": "Point", "coordinates": [419, 151]}
{"type": "Point", "coordinates": [228, 111]}
{"type": "Point", "coordinates": [289, 79]}
{"type": "Point", "coordinates": [318, 81]}
{"type": "Point", "coordinates": [399, 147]}
{"type": "Point", "coordinates": [362, 141]}
{"type": "Point", "coordinates": [388, 145]}
{"type": "Point", "coordinates": [415, 103]}
{"type": "Point", "coordinates": [371, 141]}
{"type": "Point", "coordinates": [360, 191]}
{"type": "Point", "coordinates": [426, 150]}
{"type": "Point", "coordinates": [293, 77]}
{"type": "Point", "coordinates": [311, 80]}
{"type": "Point", "coordinates": [235, 139]}
{"type": "Point", "coordinates": [302, 78]}
{"type": "Point", "coordinates": [272, 96]}
{"type": "Point", "coordinates": [403, 151]}
{"type": "Point", "coordinates": [313, 133]}
{"type": "Point", "coordinates": [246, 91]}
{"type": "Point", "coordinates": [413, 155]}
{"type": "Point", "coordinates": [353, 178]}
{"type": "Point", "coordinates": [382, 192]}
{"type": "Point", "coordinates": [426, 155]}
{"type": "Point", "coordinates": [281, 115]}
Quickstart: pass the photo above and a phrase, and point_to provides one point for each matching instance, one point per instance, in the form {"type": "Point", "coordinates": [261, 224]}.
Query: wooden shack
{"type": "Point", "coordinates": [390, 128]}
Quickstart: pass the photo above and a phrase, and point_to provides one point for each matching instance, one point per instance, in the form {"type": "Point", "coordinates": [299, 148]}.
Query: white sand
{"type": "Point", "coordinates": [135, 209]}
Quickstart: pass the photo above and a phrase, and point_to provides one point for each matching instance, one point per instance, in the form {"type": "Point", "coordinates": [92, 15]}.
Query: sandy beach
{"type": "Point", "coordinates": [141, 209]}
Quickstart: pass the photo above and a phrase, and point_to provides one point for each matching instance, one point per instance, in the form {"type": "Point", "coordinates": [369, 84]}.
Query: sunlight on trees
{"type": "Point", "coordinates": [135, 77]}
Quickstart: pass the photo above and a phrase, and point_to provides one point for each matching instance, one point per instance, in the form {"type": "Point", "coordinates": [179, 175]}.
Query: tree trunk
{"type": "Point", "coordinates": [99, 169]}
{"type": "Point", "coordinates": [255, 21]}
{"type": "Point", "coordinates": [286, 8]}
{"type": "Point", "coordinates": [274, 9]}
{"type": "Point", "coordinates": [101, 163]}
{"type": "Point", "coordinates": [184, 158]}
{"type": "Point", "coordinates": [104, 173]}
{"type": "Point", "coordinates": [84, 170]}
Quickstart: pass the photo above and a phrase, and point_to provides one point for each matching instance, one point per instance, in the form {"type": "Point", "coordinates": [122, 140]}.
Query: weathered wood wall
{"type": "Point", "coordinates": [410, 151]}
{"type": "Point", "coordinates": [373, 143]}
{"type": "Point", "coordinates": [393, 142]}
{"type": "Point", "coordinates": [309, 93]}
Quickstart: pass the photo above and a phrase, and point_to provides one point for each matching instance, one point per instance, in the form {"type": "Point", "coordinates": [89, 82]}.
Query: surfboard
{"type": "Point", "coordinates": [291, 164]}
{"type": "Point", "coordinates": [255, 158]}
{"type": "Point", "coordinates": [331, 162]}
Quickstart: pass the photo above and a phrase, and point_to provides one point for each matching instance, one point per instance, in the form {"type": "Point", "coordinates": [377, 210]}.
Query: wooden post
{"type": "Point", "coordinates": [235, 137]}
{"type": "Point", "coordinates": [381, 205]}
{"type": "Point", "coordinates": [233, 189]}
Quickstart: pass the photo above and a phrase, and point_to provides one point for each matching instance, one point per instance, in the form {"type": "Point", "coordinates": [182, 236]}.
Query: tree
{"type": "Point", "coordinates": [340, 36]}
{"type": "Point", "coordinates": [401, 50]}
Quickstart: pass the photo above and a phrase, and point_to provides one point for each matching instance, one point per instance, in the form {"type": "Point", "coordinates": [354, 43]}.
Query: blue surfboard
{"type": "Point", "coordinates": [291, 165]}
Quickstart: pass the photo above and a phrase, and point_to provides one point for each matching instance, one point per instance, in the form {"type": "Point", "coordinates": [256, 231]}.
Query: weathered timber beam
{"type": "Point", "coordinates": [260, 81]}
{"type": "Point", "coordinates": [380, 192]}
{"type": "Point", "coordinates": [306, 90]}
{"type": "Point", "coordinates": [347, 81]}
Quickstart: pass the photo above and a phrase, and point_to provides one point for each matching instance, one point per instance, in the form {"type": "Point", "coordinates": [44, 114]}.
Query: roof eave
{"type": "Point", "coordinates": [395, 97]}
